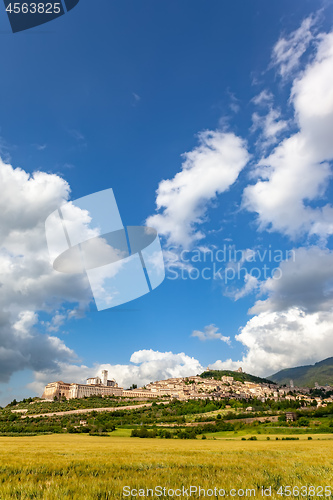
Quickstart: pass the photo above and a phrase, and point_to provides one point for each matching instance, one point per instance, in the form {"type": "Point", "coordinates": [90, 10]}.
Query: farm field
{"type": "Point", "coordinates": [64, 466]}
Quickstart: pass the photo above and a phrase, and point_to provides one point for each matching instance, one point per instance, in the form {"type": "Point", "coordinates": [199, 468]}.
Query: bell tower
{"type": "Point", "coordinates": [104, 377]}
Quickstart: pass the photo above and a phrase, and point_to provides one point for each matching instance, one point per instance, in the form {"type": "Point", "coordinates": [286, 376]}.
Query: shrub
{"type": "Point", "coordinates": [165, 434]}
{"type": "Point", "coordinates": [186, 434]}
{"type": "Point", "coordinates": [143, 433]}
{"type": "Point", "coordinates": [303, 421]}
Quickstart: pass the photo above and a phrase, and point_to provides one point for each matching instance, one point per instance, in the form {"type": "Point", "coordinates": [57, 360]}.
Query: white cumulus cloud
{"type": "Point", "coordinates": [276, 340]}
{"type": "Point", "coordinates": [210, 332]}
{"type": "Point", "coordinates": [29, 284]}
{"type": "Point", "coordinates": [288, 50]}
{"type": "Point", "coordinates": [208, 170]}
{"type": "Point", "coordinates": [305, 281]}
{"type": "Point", "coordinates": [270, 124]}
{"type": "Point", "coordinates": [294, 325]}
{"type": "Point", "coordinates": [298, 170]}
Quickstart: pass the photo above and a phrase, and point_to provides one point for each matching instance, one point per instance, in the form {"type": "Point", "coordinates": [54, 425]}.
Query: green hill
{"type": "Point", "coordinates": [239, 376]}
{"type": "Point", "coordinates": [306, 376]}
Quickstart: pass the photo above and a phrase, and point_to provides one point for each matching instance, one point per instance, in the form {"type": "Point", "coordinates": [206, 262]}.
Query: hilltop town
{"type": "Point", "coordinates": [184, 407]}
{"type": "Point", "coordinates": [193, 387]}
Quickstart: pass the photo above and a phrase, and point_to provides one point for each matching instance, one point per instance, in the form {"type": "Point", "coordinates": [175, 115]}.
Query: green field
{"type": "Point", "coordinates": [89, 467]}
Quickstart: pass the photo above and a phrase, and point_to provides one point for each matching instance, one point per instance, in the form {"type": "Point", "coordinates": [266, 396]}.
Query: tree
{"type": "Point", "coordinates": [303, 421]}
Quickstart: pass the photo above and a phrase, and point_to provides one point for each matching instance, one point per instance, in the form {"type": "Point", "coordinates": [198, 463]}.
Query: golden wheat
{"type": "Point", "coordinates": [88, 467]}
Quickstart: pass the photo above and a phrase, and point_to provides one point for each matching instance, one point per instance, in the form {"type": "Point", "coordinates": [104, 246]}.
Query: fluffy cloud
{"type": "Point", "coordinates": [208, 170]}
{"type": "Point", "coordinates": [276, 340]}
{"type": "Point", "coordinates": [211, 332]}
{"type": "Point", "coordinates": [265, 97]}
{"type": "Point", "coordinates": [28, 282]}
{"type": "Point", "coordinates": [293, 325]}
{"type": "Point", "coordinates": [271, 125]}
{"type": "Point", "coordinates": [251, 283]}
{"type": "Point", "coordinates": [288, 51]}
{"type": "Point", "coordinates": [145, 366]}
{"type": "Point", "coordinates": [297, 171]}
{"type": "Point", "coordinates": [306, 282]}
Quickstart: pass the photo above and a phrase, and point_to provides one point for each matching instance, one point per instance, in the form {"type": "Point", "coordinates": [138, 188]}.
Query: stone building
{"type": "Point", "coordinates": [56, 389]}
{"type": "Point", "coordinates": [95, 386]}
{"type": "Point", "coordinates": [139, 393]}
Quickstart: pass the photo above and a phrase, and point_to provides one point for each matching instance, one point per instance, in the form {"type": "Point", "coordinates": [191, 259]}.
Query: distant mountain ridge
{"type": "Point", "coordinates": [308, 375]}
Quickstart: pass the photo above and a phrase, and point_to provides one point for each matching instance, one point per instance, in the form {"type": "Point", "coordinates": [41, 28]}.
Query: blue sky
{"type": "Point", "coordinates": [113, 94]}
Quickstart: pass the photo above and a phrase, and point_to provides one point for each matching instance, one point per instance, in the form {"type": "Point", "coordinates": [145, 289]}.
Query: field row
{"type": "Point", "coordinates": [87, 467]}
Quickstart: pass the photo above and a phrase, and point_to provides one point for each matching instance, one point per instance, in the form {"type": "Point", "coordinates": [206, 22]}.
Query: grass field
{"type": "Point", "coordinates": [88, 467]}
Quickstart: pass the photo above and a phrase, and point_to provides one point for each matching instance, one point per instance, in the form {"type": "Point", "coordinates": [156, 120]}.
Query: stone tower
{"type": "Point", "coordinates": [104, 377]}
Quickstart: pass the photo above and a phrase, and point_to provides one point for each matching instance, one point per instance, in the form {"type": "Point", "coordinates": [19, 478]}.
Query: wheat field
{"type": "Point", "coordinates": [89, 467]}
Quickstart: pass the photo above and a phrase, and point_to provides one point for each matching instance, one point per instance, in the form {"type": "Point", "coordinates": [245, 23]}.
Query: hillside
{"type": "Point", "coordinates": [306, 376]}
{"type": "Point", "coordinates": [239, 376]}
